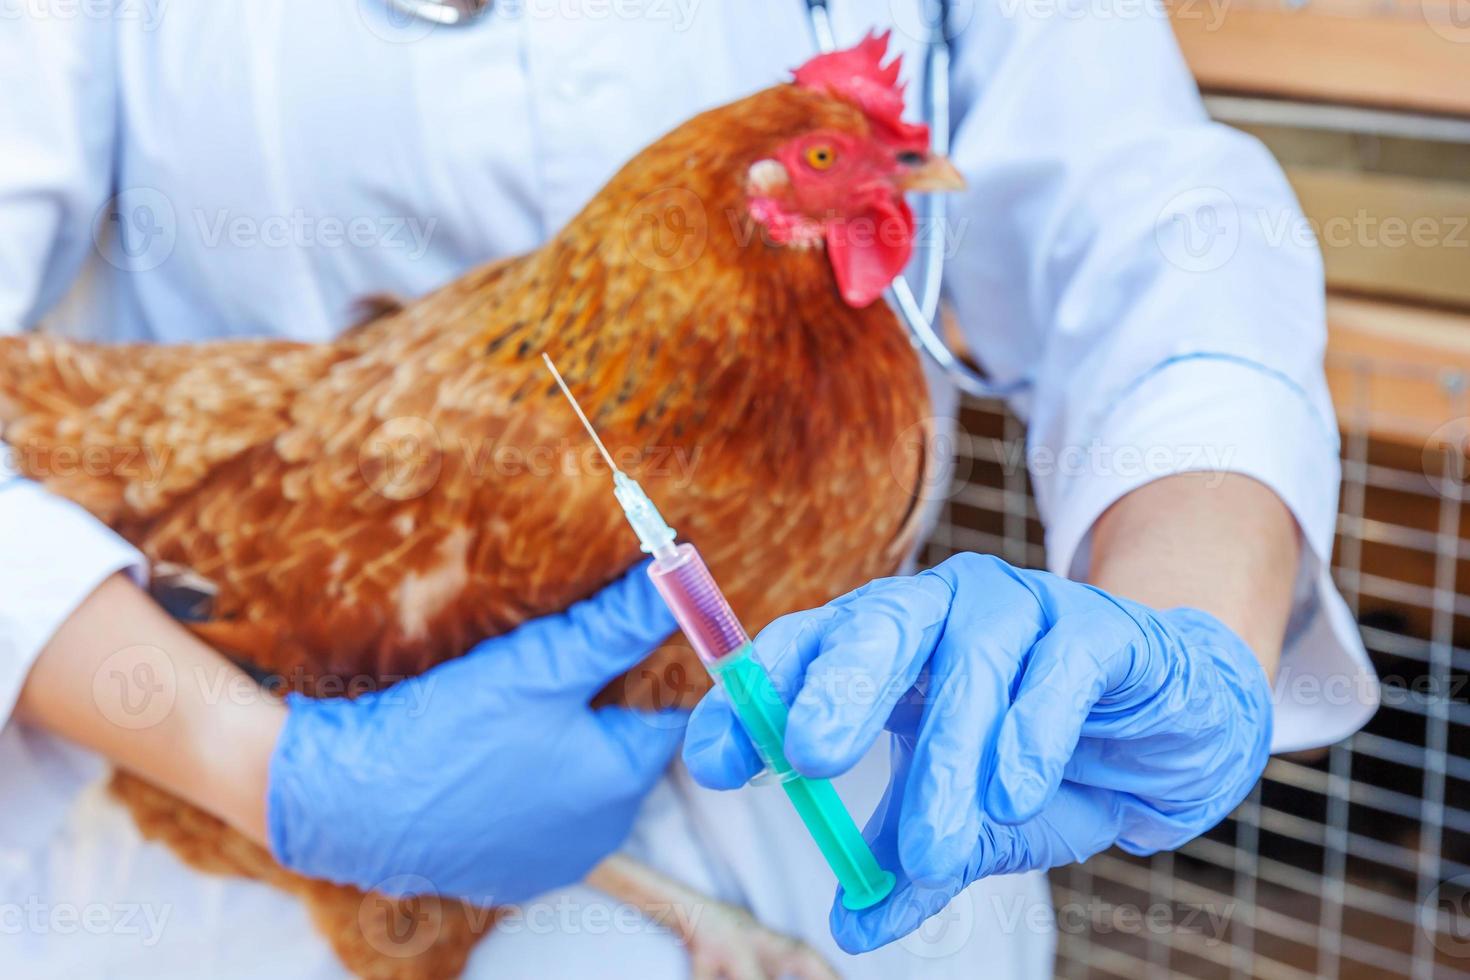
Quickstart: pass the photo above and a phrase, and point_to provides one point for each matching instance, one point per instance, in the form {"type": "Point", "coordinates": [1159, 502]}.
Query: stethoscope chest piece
{"type": "Point", "coordinates": [446, 12]}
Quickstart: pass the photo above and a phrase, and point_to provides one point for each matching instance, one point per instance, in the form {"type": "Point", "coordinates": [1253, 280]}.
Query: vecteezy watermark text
{"type": "Point", "coordinates": [148, 13]}
{"type": "Point", "coordinates": [1098, 458]}
{"type": "Point", "coordinates": [143, 463]}
{"type": "Point", "coordinates": [38, 917]}
{"type": "Point", "coordinates": [299, 229]}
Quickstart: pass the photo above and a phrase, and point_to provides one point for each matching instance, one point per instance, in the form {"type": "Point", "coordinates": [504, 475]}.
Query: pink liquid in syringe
{"type": "Point", "coordinates": [689, 590]}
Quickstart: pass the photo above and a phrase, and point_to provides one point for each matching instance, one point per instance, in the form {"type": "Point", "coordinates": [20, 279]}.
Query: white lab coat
{"type": "Point", "coordinates": [172, 172]}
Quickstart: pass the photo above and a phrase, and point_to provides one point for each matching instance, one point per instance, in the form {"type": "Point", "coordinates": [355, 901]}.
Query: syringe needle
{"type": "Point", "coordinates": [653, 533]}
{"type": "Point", "coordinates": [578, 409]}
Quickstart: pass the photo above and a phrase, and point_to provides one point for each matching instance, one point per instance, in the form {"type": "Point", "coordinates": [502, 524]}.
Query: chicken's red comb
{"type": "Point", "coordinates": [859, 75]}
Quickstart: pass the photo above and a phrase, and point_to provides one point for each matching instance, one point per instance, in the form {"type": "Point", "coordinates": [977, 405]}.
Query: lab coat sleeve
{"type": "Point", "coordinates": [56, 125]}
{"type": "Point", "coordinates": [1144, 277]}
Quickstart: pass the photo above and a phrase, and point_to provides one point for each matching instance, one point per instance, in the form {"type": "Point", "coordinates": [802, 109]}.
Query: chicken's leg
{"type": "Point", "coordinates": [725, 942]}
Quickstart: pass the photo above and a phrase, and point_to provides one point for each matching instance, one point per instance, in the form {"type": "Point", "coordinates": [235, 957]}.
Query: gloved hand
{"type": "Point", "coordinates": [1036, 722]}
{"type": "Point", "coordinates": [487, 778]}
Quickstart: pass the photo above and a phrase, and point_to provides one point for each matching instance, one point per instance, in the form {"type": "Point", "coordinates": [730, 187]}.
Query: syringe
{"type": "Point", "coordinates": [684, 581]}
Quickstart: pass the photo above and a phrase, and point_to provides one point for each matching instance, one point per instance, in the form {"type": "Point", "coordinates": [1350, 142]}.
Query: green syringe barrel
{"type": "Point", "coordinates": [689, 590]}
{"type": "Point", "coordinates": [763, 714]}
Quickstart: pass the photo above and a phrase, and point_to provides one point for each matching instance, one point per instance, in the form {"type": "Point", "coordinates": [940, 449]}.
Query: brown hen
{"type": "Point", "coordinates": [367, 508]}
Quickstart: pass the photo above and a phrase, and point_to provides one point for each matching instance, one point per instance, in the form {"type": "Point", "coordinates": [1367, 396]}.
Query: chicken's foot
{"type": "Point", "coordinates": [725, 942]}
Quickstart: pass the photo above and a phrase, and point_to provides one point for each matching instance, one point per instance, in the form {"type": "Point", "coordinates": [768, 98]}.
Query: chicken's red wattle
{"type": "Point", "coordinates": [869, 250]}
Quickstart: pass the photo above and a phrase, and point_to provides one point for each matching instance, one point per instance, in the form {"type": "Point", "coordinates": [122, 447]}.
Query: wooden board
{"type": "Point", "coordinates": [1407, 55]}
{"type": "Point", "coordinates": [1398, 372]}
{"type": "Point", "coordinates": [1392, 236]}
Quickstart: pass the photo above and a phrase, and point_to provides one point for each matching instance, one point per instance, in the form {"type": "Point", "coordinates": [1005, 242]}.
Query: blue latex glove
{"type": "Point", "coordinates": [1036, 722]}
{"type": "Point", "coordinates": [487, 778]}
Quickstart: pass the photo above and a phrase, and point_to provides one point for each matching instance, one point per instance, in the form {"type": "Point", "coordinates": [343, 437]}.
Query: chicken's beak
{"type": "Point", "coordinates": [933, 173]}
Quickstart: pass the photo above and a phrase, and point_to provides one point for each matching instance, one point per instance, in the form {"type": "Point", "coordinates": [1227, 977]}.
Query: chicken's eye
{"type": "Point", "coordinates": [821, 156]}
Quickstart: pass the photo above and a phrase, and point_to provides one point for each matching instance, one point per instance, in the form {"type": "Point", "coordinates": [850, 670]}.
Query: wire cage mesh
{"type": "Point", "coordinates": [1351, 861]}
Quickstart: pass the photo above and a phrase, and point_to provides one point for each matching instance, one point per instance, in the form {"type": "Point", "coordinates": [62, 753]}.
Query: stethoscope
{"type": "Point", "coordinates": [917, 308]}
